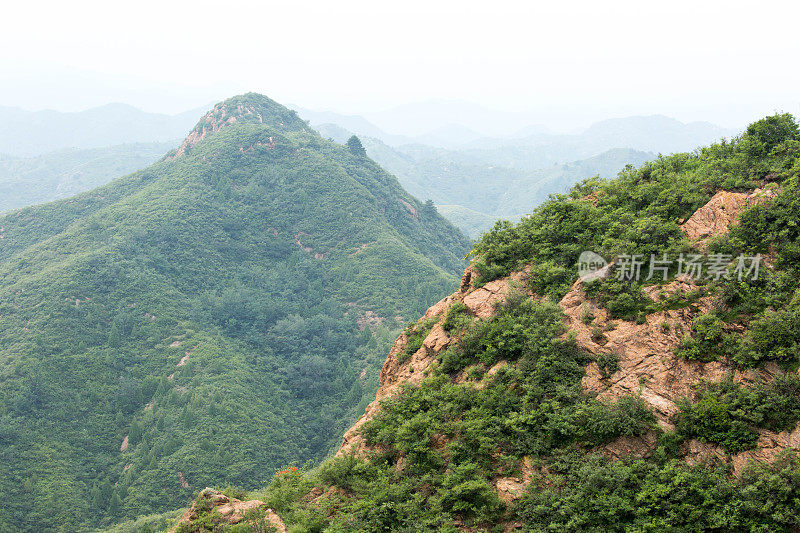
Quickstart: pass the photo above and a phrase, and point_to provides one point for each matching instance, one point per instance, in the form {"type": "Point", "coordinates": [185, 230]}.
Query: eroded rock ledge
{"type": "Point", "coordinates": [231, 511]}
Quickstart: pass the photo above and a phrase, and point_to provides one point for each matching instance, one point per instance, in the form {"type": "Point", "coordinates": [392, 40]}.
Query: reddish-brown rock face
{"type": "Point", "coordinates": [717, 216]}
{"type": "Point", "coordinates": [480, 302]}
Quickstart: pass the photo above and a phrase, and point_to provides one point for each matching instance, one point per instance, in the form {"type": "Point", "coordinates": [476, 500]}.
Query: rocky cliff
{"type": "Point", "coordinates": [645, 351]}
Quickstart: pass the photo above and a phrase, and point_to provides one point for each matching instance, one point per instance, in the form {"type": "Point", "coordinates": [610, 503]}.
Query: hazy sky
{"type": "Point", "coordinates": [565, 63]}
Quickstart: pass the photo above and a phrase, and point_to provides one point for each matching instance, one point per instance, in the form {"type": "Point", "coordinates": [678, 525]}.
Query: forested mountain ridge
{"type": "Point", "coordinates": [206, 319]}
{"type": "Point", "coordinates": [535, 399]}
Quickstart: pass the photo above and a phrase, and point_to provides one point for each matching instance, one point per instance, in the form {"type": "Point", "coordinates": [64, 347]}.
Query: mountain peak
{"type": "Point", "coordinates": [249, 108]}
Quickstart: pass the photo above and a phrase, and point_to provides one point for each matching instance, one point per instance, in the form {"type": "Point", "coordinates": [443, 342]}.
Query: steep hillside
{"type": "Point", "coordinates": [535, 400]}
{"type": "Point", "coordinates": [56, 175]}
{"type": "Point", "coordinates": [205, 320]}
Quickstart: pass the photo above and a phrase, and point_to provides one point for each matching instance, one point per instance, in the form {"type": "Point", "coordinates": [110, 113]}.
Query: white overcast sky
{"type": "Point", "coordinates": [565, 63]}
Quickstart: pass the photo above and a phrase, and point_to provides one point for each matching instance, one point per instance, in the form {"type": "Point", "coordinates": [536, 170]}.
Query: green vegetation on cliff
{"type": "Point", "coordinates": [442, 449]}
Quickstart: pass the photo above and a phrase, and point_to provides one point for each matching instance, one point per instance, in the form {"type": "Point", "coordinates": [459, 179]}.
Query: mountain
{"type": "Point", "coordinates": [31, 133]}
{"type": "Point", "coordinates": [492, 191]}
{"type": "Point", "coordinates": [538, 185]}
{"type": "Point", "coordinates": [532, 399]}
{"type": "Point", "coordinates": [448, 136]}
{"type": "Point", "coordinates": [655, 133]}
{"type": "Point", "coordinates": [204, 320]}
{"type": "Point", "coordinates": [505, 177]}
{"type": "Point", "coordinates": [418, 118]}
{"type": "Point", "coordinates": [55, 175]}
{"type": "Point", "coordinates": [472, 223]}
{"type": "Point", "coordinates": [355, 124]}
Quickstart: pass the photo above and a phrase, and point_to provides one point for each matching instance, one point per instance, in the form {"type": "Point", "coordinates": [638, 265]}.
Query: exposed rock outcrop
{"type": "Point", "coordinates": [214, 121]}
{"type": "Point", "coordinates": [715, 218]}
{"type": "Point", "coordinates": [509, 488]}
{"type": "Point", "coordinates": [480, 302]}
{"type": "Point", "coordinates": [647, 366]}
{"type": "Point", "coordinates": [623, 447]}
{"type": "Point", "coordinates": [249, 109]}
{"type": "Point", "coordinates": [231, 510]}
{"type": "Point", "coordinates": [645, 353]}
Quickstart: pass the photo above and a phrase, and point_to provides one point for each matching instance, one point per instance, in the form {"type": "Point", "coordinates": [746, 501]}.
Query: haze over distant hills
{"type": "Point", "coordinates": [29, 133]}
{"type": "Point", "coordinates": [35, 180]}
{"type": "Point", "coordinates": [484, 179]}
{"type": "Point", "coordinates": [460, 155]}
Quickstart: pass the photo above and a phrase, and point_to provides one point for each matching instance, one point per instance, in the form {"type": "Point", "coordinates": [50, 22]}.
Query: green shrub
{"type": "Point", "coordinates": [552, 280]}
{"type": "Point", "coordinates": [343, 471]}
{"type": "Point", "coordinates": [705, 343]}
{"type": "Point", "coordinates": [596, 423]}
{"type": "Point", "coordinates": [521, 328]}
{"type": "Point", "coordinates": [234, 492]}
{"type": "Point", "coordinates": [714, 418]}
{"type": "Point", "coordinates": [466, 492]}
{"type": "Point", "coordinates": [607, 362]}
{"type": "Point", "coordinates": [457, 317]}
{"type": "Point", "coordinates": [773, 337]}
{"type": "Point", "coordinates": [622, 299]}
{"type": "Point", "coordinates": [416, 333]}
{"type": "Point", "coordinates": [595, 494]}
{"type": "Point", "coordinates": [729, 415]}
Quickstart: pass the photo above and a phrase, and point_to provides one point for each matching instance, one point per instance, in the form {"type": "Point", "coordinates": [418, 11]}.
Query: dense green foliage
{"type": "Point", "coordinates": [704, 343]}
{"type": "Point", "coordinates": [593, 494]}
{"type": "Point", "coordinates": [442, 442]}
{"type": "Point", "coordinates": [441, 445]}
{"type": "Point", "coordinates": [728, 414]}
{"type": "Point", "coordinates": [216, 311]}
{"type": "Point", "coordinates": [640, 213]}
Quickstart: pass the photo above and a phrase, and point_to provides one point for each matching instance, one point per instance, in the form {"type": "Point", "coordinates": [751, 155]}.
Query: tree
{"type": "Point", "coordinates": [767, 133]}
{"type": "Point", "coordinates": [355, 146]}
{"type": "Point", "coordinates": [429, 208]}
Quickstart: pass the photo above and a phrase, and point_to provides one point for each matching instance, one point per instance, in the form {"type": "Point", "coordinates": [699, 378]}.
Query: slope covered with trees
{"type": "Point", "coordinates": [205, 320]}
{"type": "Point", "coordinates": [493, 424]}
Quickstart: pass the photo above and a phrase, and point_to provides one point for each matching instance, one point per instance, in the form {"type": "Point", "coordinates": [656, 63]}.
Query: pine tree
{"type": "Point", "coordinates": [355, 146]}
